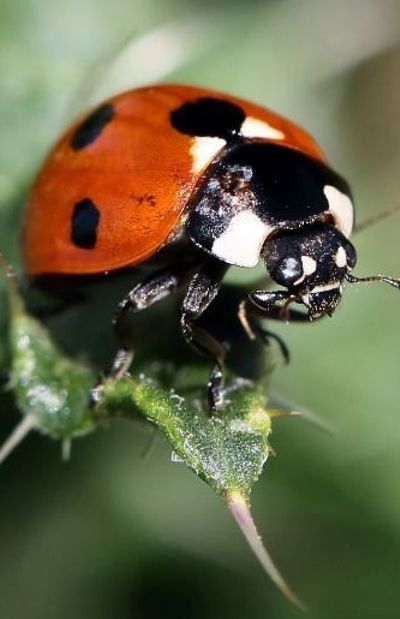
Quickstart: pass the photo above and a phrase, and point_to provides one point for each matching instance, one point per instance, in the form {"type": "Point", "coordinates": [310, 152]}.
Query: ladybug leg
{"type": "Point", "coordinates": [271, 306]}
{"type": "Point", "coordinates": [152, 289]}
{"type": "Point", "coordinates": [276, 306]}
{"type": "Point", "coordinates": [203, 288]}
{"type": "Point", "coordinates": [255, 331]}
{"type": "Point", "coordinates": [121, 363]}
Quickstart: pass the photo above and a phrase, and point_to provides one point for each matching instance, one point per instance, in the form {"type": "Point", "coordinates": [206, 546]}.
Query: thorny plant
{"type": "Point", "coordinates": [228, 451]}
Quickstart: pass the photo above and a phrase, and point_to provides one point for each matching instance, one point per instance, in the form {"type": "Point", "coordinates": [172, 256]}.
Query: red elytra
{"type": "Point", "coordinates": [140, 174]}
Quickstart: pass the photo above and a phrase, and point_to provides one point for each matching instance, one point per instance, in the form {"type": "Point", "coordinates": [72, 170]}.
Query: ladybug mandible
{"type": "Point", "coordinates": [222, 180]}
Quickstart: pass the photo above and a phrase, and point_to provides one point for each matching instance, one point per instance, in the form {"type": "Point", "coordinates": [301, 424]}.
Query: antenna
{"type": "Point", "coordinates": [392, 281]}
{"type": "Point", "coordinates": [375, 219]}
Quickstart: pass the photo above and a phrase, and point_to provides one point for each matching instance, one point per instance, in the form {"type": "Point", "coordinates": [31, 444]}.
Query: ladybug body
{"type": "Point", "coordinates": [121, 181]}
{"type": "Point", "coordinates": [226, 180]}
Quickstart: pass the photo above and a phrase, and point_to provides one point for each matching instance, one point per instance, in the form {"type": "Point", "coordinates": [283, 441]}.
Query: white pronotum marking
{"type": "Point", "coordinates": [203, 150]}
{"type": "Point", "coordinates": [341, 257]}
{"type": "Point", "coordinates": [341, 208]}
{"type": "Point", "coordinates": [241, 242]}
{"type": "Point", "coordinates": [255, 128]}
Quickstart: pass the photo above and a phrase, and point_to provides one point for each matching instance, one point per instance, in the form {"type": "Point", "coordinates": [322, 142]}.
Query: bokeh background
{"type": "Point", "coordinates": [117, 535]}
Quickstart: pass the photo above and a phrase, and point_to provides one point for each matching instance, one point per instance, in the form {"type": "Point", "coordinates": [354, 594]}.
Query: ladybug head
{"type": "Point", "coordinates": [311, 262]}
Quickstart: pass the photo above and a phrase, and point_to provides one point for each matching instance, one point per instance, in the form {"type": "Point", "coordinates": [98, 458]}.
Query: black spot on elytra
{"type": "Point", "coordinates": [92, 126]}
{"type": "Point", "coordinates": [208, 117]}
{"type": "Point", "coordinates": [85, 220]}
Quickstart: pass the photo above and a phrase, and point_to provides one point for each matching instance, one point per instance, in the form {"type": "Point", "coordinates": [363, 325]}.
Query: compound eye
{"type": "Point", "coordinates": [286, 263]}
{"type": "Point", "coordinates": [351, 256]}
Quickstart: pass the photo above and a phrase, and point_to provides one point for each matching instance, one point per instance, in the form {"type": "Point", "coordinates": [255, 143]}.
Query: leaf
{"type": "Point", "coordinates": [51, 390]}
{"type": "Point", "coordinates": [227, 451]}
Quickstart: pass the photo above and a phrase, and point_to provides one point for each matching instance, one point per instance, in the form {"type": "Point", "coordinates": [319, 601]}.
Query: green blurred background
{"type": "Point", "coordinates": [116, 535]}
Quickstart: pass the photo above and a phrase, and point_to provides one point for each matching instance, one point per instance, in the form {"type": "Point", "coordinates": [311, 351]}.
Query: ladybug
{"type": "Point", "coordinates": [205, 181]}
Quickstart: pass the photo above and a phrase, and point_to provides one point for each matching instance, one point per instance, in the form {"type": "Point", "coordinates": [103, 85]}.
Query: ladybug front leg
{"type": "Point", "coordinates": [254, 330]}
{"type": "Point", "coordinates": [203, 288]}
{"type": "Point", "coordinates": [269, 305]}
{"type": "Point", "coordinates": [276, 305]}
